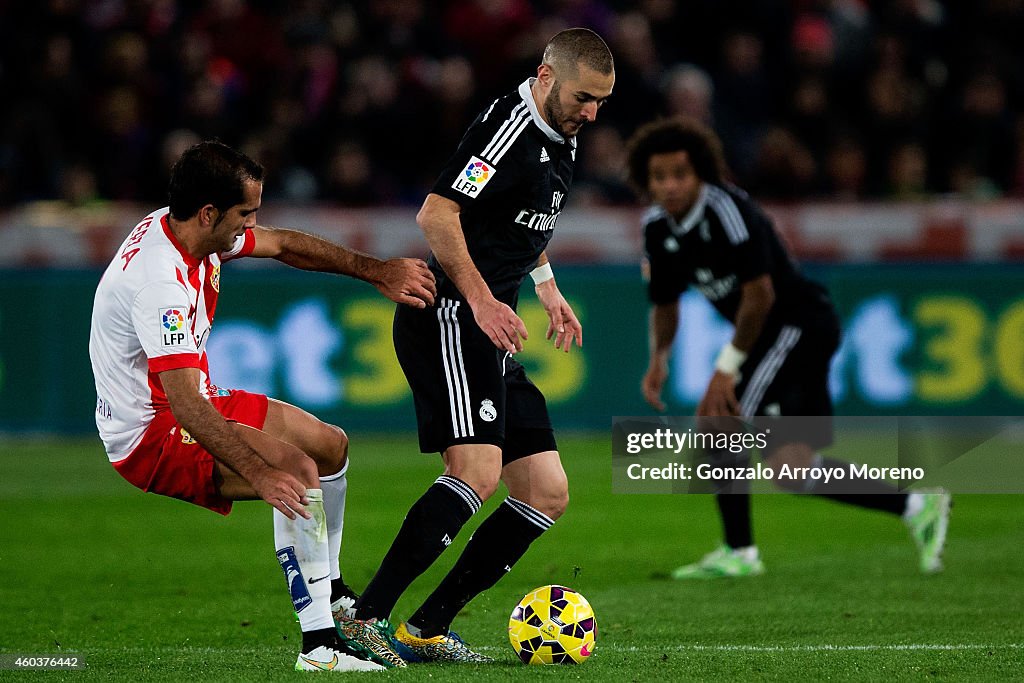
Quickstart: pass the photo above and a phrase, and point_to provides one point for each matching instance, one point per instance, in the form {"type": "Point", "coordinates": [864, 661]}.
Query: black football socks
{"type": "Point", "coordinates": [733, 498]}
{"type": "Point", "coordinates": [429, 527]}
{"type": "Point", "coordinates": [340, 589]}
{"type": "Point", "coordinates": [493, 550]}
{"type": "Point", "coordinates": [734, 509]}
{"type": "Point", "coordinates": [326, 637]}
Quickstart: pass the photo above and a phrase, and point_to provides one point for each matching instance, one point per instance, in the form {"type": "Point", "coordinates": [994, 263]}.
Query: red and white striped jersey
{"type": "Point", "coordinates": [152, 312]}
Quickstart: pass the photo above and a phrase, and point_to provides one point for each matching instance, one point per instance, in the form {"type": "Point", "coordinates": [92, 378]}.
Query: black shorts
{"type": "Point", "coordinates": [786, 374]}
{"type": "Point", "coordinates": [466, 390]}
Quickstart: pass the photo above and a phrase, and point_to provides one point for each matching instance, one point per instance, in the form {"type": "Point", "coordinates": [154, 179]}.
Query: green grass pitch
{"type": "Point", "coordinates": [147, 588]}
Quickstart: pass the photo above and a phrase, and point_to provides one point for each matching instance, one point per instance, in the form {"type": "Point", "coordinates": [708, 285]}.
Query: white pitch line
{"type": "Point", "coordinates": [908, 647]}
{"type": "Point", "coordinates": [911, 647]}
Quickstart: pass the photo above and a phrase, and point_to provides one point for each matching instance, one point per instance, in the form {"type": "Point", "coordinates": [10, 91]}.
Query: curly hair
{"type": "Point", "coordinates": [681, 134]}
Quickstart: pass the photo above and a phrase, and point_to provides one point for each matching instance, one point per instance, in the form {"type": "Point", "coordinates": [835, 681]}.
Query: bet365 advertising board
{"type": "Point", "coordinates": [918, 340]}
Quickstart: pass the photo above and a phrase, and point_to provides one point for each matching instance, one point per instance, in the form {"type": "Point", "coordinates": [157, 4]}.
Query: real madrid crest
{"type": "Point", "coordinates": [487, 410]}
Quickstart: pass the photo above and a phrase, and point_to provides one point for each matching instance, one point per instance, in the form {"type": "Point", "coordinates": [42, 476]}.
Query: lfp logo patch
{"type": "Point", "coordinates": [478, 171]}
{"type": "Point", "coordinates": [474, 177]}
{"type": "Point", "coordinates": [172, 324]}
{"type": "Point", "coordinates": [172, 319]}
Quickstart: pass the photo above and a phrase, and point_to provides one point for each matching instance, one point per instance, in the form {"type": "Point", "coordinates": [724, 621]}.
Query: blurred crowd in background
{"type": "Point", "coordinates": [359, 103]}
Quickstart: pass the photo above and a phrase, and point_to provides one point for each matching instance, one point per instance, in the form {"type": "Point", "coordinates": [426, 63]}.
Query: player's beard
{"type": "Point", "coordinates": [554, 112]}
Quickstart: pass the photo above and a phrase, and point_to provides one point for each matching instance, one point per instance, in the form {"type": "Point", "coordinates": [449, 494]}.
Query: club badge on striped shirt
{"type": "Point", "coordinates": [474, 177]}
{"type": "Point", "coordinates": [215, 278]}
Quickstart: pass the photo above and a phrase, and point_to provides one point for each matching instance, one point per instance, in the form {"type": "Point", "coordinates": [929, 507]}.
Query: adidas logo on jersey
{"type": "Point", "coordinates": [544, 155]}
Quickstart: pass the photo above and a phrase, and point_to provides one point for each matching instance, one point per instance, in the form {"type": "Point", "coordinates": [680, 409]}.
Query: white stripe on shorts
{"type": "Point", "coordinates": [767, 369]}
{"type": "Point", "coordinates": [455, 369]}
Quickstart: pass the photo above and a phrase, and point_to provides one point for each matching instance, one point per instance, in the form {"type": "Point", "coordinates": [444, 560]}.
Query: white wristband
{"type": "Point", "coordinates": [542, 274]}
{"type": "Point", "coordinates": [730, 359]}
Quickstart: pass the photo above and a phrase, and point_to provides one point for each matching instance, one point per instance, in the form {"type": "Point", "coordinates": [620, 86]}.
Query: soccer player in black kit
{"type": "Point", "coordinates": [705, 232]}
{"type": "Point", "coordinates": [488, 220]}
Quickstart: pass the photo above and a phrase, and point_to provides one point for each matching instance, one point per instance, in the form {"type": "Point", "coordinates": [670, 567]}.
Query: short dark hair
{"type": "Point", "coordinates": [680, 134]}
{"type": "Point", "coordinates": [209, 172]}
{"type": "Point", "coordinates": [574, 46]}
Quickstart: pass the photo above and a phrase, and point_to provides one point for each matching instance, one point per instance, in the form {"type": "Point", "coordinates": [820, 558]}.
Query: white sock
{"type": "Point", "coordinates": [915, 501]}
{"type": "Point", "coordinates": [302, 551]}
{"type": "Point", "coordinates": [748, 553]}
{"type": "Point", "coordinates": [335, 486]}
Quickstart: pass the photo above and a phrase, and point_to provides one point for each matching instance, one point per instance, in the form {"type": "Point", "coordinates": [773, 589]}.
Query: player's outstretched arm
{"type": "Point", "coordinates": [661, 332]}
{"type": "Point", "coordinates": [403, 280]}
{"type": "Point", "coordinates": [563, 324]}
{"type": "Point", "coordinates": [194, 413]}
{"type": "Point", "coordinates": [439, 220]}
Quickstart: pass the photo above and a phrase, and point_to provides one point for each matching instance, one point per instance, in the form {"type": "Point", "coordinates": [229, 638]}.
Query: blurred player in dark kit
{"type": "Point", "coordinates": [703, 231]}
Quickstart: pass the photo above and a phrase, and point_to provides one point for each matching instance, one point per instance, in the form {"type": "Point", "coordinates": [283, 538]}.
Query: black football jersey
{"type": "Point", "coordinates": [724, 241]}
{"type": "Point", "coordinates": [511, 175]}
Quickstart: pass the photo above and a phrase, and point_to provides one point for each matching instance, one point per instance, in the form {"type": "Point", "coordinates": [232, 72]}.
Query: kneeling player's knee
{"type": "Point", "coordinates": [341, 450]}
{"type": "Point", "coordinates": [333, 451]}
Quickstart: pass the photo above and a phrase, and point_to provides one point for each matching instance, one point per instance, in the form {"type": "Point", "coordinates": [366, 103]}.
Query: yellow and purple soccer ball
{"type": "Point", "coordinates": [553, 625]}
